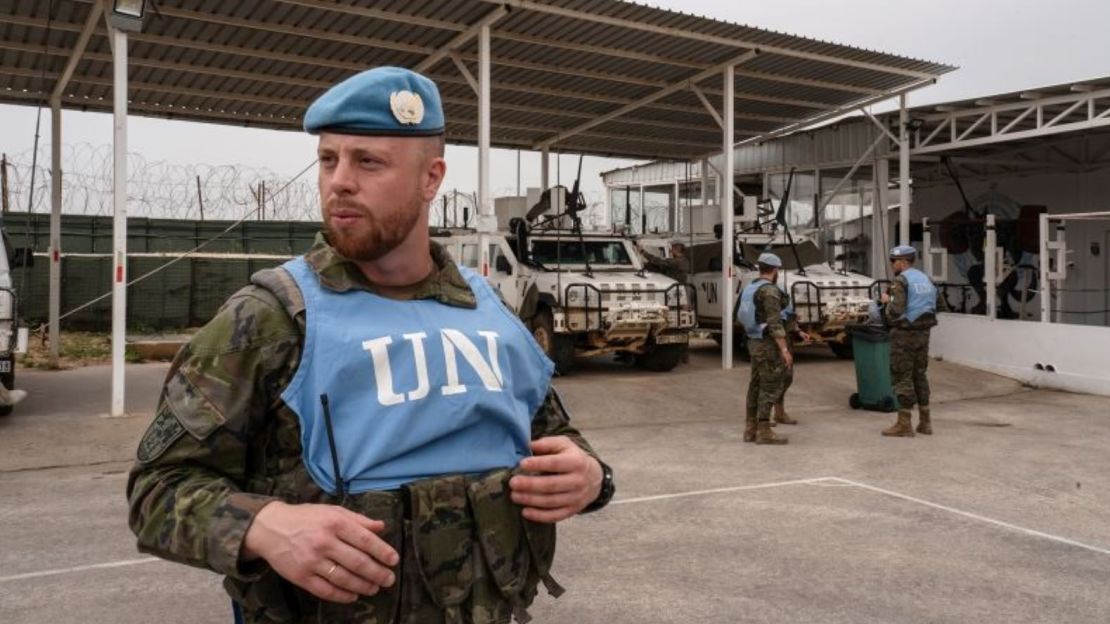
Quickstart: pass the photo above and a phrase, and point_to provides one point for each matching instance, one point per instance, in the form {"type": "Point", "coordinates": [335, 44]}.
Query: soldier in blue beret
{"type": "Point", "coordinates": [762, 312]}
{"type": "Point", "coordinates": [909, 310]}
{"type": "Point", "coordinates": [366, 433]}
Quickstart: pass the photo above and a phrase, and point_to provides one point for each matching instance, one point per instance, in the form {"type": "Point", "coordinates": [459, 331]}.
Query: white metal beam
{"type": "Point", "coordinates": [838, 112]}
{"type": "Point", "coordinates": [708, 106]}
{"type": "Point", "coordinates": [473, 31]}
{"type": "Point", "coordinates": [465, 71]}
{"type": "Point", "coordinates": [880, 126]}
{"type": "Point", "coordinates": [595, 18]}
{"type": "Point", "coordinates": [662, 93]}
{"type": "Point", "coordinates": [91, 22]}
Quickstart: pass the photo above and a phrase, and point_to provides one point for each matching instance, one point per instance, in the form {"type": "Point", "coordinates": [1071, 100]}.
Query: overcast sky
{"type": "Point", "coordinates": [999, 46]}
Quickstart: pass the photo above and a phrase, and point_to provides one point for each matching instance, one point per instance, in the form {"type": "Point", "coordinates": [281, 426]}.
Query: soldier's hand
{"type": "Point", "coordinates": [788, 358]}
{"type": "Point", "coordinates": [884, 298]}
{"type": "Point", "coordinates": [331, 552]}
{"type": "Point", "coordinates": [566, 480]}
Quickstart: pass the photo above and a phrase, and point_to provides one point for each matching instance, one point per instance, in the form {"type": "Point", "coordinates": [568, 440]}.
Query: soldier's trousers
{"type": "Point", "coordinates": [788, 376]}
{"type": "Point", "coordinates": [909, 363]}
{"type": "Point", "coordinates": [768, 377]}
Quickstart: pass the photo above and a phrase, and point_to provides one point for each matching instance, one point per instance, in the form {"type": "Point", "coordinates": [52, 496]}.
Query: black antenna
{"type": "Point", "coordinates": [340, 487]}
{"type": "Point", "coordinates": [781, 219]}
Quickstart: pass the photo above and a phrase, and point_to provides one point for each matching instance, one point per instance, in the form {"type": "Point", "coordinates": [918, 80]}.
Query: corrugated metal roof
{"type": "Point", "coordinates": [556, 65]}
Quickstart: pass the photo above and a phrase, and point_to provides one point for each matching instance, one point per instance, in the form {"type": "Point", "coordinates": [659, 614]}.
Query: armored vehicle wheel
{"type": "Point", "coordinates": [557, 347]}
{"type": "Point", "coordinates": [842, 350]}
{"type": "Point", "coordinates": [662, 358]}
{"type": "Point", "coordinates": [854, 401]}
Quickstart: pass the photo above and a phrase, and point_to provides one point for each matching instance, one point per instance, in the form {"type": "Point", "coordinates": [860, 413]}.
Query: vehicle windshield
{"type": "Point", "coordinates": [808, 253]}
{"type": "Point", "coordinates": [570, 251]}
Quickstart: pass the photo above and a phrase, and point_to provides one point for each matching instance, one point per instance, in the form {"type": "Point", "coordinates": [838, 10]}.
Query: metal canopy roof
{"type": "Point", "coordinates": [594, 76]}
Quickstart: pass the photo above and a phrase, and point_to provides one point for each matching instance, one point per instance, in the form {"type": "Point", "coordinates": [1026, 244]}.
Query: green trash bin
{"type": "Point", "coordinates": [871, 345]}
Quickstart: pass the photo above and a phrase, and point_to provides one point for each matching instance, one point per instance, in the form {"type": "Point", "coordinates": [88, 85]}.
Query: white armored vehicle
{"type": "Point", "coordinates": [582, 294]}
{"type": "Point", "coordinates": [826, 300]}
{"type": "Point", "coordinates": [13, 337]}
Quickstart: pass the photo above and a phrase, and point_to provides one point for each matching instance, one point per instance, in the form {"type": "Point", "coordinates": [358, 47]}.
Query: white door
{"type": "Point", "coordinates": [506, 277]}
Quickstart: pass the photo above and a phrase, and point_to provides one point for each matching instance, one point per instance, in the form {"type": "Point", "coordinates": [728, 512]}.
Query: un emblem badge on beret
{"type": "Point", "coordinates": [407, 107]}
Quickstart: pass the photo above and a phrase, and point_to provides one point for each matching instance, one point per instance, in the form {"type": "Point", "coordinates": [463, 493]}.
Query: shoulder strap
{"type": "Point", "coordinates": [281, 285]}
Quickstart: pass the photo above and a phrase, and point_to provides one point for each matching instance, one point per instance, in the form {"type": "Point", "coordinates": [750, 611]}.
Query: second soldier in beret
{"type": "Point", "coordinates": [761, 312]}
{"type": "Point", "coordinates": [366, 433]}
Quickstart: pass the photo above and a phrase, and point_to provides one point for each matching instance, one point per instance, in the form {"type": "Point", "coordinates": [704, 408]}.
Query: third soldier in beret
{"type": "Point", "coordinates": [910, 311]}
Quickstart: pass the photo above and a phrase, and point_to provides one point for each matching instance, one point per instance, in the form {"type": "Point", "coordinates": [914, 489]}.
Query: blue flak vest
{"type": "Point", "coordinates": [746, 312]}
{"type": "Point", "coordinates": [921, 295]}
{"type": "Point", "coordinates": [416, 389]}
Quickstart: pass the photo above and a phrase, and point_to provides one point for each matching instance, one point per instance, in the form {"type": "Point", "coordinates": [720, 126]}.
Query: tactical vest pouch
{"type": "Point", "coordinates": [271, 598]}
{"type": "Point", "coordinates": [381, 607]}
{"type": "Point", "coordinates": [443, 537]}
{"type": "Point", "coordinates": [501, 537]}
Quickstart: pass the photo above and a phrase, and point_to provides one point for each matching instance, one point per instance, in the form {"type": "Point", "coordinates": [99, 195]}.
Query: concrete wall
{"type": "Point", "coordinates": [1079, 355]}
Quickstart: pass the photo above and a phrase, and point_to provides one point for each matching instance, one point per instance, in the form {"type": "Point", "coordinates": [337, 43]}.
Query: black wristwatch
{"type": "Point", "coordinates": [607, 489]}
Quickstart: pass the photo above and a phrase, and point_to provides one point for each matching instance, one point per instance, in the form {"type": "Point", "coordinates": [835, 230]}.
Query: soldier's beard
{"type": "Point", "coordinates": [374, 235]}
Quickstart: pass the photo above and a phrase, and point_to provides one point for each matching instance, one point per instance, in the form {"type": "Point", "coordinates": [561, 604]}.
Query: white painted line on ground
{"type": "Point", "coordinates": [738, 488]}
{"type": "Point", "coordinates": [975, 516]}
{"type": "Point", "coordinates": [95, 566]}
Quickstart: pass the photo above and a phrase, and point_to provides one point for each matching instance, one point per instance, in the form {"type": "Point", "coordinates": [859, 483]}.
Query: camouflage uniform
{"type": "Point", "coordinates": [768, 370]}
{"type": "Point", "coordinates": [790, 325]}
{"type": "Point", "coordinates": [909, 348]}
{"type": "Point", "coordinates": [223, 444]}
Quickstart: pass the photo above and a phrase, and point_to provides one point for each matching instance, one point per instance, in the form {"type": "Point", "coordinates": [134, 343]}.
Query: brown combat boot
{"type": "Point", "coordinates": [764, 435]}
{"type": "Point", "coordinates": [781, 416]}
{"type": "Point", "coordinates": [903, 428]}
{"type": "Point", "coordinates": [925, 423]}
{"type": "Point", "coordinates": [749, 427]}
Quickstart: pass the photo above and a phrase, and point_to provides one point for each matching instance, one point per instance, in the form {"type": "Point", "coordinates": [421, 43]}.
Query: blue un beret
{"type": "Point", "coordinates": [903, 251]}
{"type": "Point", "coordinates": [770, 259]}
{"type": "Point", "coordinates": [384, 101]}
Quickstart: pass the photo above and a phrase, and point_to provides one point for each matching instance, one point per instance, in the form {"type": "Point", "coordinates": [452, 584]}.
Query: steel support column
{"type": "Point", "coordinates": [990, 268]}
{"type": "Point", "coordinates": [119, 220]}
{"type": "Point", "coordinates": [728, 236]}
{"type": "Point", "coordinates": [903, 172]}
{"type": "Point", "coordinates": [485, 202]}
{"type": "Point", "coordinates": [1045, 284]}
{"type": "Point", "coordinates": [55, 251]}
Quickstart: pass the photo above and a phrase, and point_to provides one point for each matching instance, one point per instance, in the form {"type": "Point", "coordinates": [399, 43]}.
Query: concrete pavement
{"type": "Point", "coordinates": [999, 517]}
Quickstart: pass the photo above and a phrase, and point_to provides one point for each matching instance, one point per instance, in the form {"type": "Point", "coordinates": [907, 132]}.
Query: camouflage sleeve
{"type": "Point", "coordinates": [552, 419]}
{"type": "Point", "coordinates": [895, 309]}
{"type": "Point", "coordinates": [768, 304]}
{"type": "Point", "coordinates": [185, 490]}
